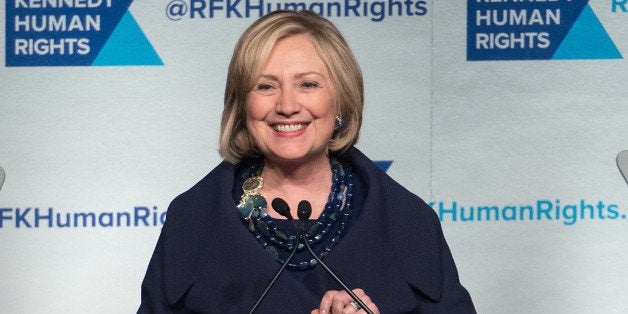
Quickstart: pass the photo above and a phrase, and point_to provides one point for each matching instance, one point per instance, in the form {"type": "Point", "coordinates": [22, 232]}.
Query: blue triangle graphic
{"type": "Point", "coordinates": [127, 45]}
{"type": "Point", "coordinates": [384, 164]}
{"type": "Point", "coordinates": [587, 39]}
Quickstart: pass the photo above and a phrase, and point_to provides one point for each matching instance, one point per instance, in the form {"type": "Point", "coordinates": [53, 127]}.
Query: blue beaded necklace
{"type": "Point", "coordinates": [325, 232]}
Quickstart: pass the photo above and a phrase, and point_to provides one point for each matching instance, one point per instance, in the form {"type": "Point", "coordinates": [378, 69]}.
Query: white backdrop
{"type": "Point", "coordinates": [487, 136]}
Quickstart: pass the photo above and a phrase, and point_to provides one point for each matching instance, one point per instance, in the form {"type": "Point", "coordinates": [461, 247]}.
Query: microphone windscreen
{"type": "Point", "coordinates": [281, 207]}
{"type": "Point", "coordinates": [304, 210]}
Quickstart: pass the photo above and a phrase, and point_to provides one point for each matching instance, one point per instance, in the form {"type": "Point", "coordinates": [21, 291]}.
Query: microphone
{"type": "Point", "coordinates": [622, 164]}
{"type": "Point", "coordinates": [304, 210]}
{"type": "Point", "coordinates": [1, 177]}
{"type": "Point", "coordinates": [281, 207]}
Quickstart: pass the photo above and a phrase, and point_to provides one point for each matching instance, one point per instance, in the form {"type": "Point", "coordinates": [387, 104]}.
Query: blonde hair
{"type": "Point", "coordinates": [250, 56]}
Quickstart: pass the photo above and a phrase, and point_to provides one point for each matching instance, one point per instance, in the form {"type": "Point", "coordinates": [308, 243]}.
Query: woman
{"type": "Point", "coordinates": [293, 110]}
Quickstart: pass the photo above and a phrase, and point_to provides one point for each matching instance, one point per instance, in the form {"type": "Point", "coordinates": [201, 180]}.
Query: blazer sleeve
{"type": "Point", "coordinates": [416, 242]}
{"type": "Point", "coordinates": [164, 287]}
{"type": "Point", "coordinates": [428, 266]}
{"type": "Point", "coordinates": [455, 298]}
{"type": "Point", "coordinates": [153, 298]}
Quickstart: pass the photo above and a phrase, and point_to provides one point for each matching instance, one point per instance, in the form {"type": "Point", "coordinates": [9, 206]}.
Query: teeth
{"type": "Point", "coordinates": [288, 127]}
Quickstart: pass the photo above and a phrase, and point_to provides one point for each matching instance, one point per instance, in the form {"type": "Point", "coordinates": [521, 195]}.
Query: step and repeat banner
{"type": "Point", "coordinates": [508, 117]}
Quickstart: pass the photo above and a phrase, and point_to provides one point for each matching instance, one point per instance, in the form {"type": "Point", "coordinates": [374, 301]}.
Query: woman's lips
{"type": "Point", "coordinates": [289, 127]}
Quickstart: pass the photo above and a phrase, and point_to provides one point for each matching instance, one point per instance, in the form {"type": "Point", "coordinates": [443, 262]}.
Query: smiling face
{"type": "Point", "coordinates": [291, 110]}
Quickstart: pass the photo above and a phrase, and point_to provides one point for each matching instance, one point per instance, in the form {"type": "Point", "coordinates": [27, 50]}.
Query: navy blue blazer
{"type": "Point", "coordinates": [206, 261]}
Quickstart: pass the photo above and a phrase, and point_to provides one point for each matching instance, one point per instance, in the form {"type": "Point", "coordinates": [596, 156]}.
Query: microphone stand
{"type": "Point", "coordinates": [272, 282]}
{"type": "Point", "coordinates": [304, 211]}
{"type": "Point", "coordinates": [282, 208]}
{"type": "Point", "coordinates": [331, 273]}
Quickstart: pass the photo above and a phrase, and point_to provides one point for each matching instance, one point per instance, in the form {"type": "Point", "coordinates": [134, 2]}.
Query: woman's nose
{"type": "Point", "coordinates": [287, 103]}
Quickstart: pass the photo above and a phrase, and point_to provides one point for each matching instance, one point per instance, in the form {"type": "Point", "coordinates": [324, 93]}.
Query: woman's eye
{"type": "Point", "coordinates": [265, 88]}
{"type": "Point", "coordinates": [309, 84]}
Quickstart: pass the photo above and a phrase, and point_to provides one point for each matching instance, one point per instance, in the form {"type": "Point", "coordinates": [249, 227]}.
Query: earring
{"type": "Point", "coordinates": [339, 122]}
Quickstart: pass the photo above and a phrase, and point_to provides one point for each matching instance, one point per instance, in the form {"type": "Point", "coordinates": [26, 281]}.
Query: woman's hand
{"type": "Point", "coordinates": [340, 302]}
